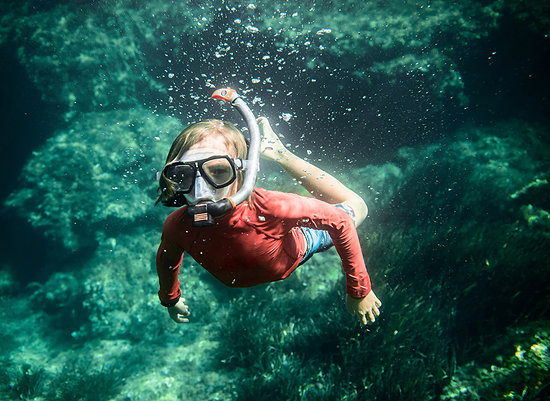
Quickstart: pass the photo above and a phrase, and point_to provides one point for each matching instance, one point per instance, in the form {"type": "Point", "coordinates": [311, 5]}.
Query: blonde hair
{"type": "Point", "coordinates": [192, 135]}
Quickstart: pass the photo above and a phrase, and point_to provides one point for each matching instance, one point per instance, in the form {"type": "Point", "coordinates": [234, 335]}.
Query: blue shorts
{"type": "Point", "coordinates": [319, 240]}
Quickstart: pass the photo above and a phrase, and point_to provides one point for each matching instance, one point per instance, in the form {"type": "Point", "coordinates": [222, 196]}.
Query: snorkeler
{"type": "Point", "coordinates": [264, 235]}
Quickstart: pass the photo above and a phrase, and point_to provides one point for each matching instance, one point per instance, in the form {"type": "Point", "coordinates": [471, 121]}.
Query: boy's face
{"type": "Point", "coordinates": [213, 144]}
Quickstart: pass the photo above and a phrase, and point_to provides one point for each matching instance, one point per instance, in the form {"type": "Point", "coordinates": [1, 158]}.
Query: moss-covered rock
{"type": "Point", "coordinates": [522, 372]}
{"type": "Point", "coordinates": [96, 177]}
{"type": "Point", "coordinates": [96, 56]}
{"type": "Point", "coordinates": [395, 39]}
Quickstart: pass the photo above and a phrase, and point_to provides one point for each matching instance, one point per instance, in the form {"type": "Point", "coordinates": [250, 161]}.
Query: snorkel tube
{"type": "Point", "coordinates": [203, 214]}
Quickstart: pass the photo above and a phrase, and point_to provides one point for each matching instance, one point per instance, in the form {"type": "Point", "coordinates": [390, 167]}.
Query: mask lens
{"type": "Point", "coordinates": [219, 171]}
{"type": "Point", "coordinates": [181, 174]}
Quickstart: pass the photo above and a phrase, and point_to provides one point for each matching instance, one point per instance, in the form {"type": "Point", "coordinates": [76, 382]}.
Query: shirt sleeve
{"type": "Point", "coordinates": [295, 210]}
{"type": "Point", "coordinates": [168, 261]}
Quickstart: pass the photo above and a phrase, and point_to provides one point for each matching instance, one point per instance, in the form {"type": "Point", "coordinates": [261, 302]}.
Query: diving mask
{"type": "Point", "coordinates": [203, 175]}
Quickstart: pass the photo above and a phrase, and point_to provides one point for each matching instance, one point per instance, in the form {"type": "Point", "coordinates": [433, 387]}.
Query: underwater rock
{"type": "Point", "coordinates": [62, 290]}
{"type": "Point", "coordinates": [536, 191]}
{"type": "Point", "coordinates": [116, 54]}
{"type": "Point", "coordinates": [395, 68]}
{"type": "Point", "coordinates": [482, 172]}
{"type": "Point", "coordinates": [520, 373]}
{"type": "Point", "coordinates": [119, 291]}
{"type": "Point", "coordinates": [96, 177]}
{"type": "Point", "coordinates": [537, 217]}
{"type": "Point", "coordinates": [377, 184]}
{"type": "Point", "coordinates": [7, 15]}
{"type": "Point", "coordinates": [533, 13]}
{"type": "Point", "coordinates": [458, 194]}
{"type": "Point", "coordinates": [392, 39]}
{"type": "Point", "coordinates": [96, 56]}
{"type": "Point", "coordinates": [436, 69]}
{"type": "Point", "coordinates": [8, 286]}
{"type": "Point", "coordinates": [478, 172]}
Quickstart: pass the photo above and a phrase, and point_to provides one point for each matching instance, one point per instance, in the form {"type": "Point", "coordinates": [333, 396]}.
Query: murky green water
{"type": "Point", "coordinates": [435, 112]}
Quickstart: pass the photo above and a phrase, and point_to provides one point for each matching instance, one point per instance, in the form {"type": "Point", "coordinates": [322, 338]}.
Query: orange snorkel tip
{"type": "Point", "coordinates": [227, 94]}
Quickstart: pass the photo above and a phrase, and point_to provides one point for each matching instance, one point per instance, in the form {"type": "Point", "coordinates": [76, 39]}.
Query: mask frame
{"type": "Point", "coordinates": [197, 165]}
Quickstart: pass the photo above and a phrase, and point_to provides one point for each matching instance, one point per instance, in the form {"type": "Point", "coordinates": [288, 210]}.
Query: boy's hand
{"type": "Point", "coordinates": [179, 311]}
{"type": "Point", "coordinates": [271, 146]}
{"type": "Point", "coordinates": [364, 307]}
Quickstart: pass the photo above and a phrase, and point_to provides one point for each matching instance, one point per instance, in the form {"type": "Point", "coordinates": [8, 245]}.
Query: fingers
{"type": "Point", "coordinates": [366, 309]}
{"type": "Point", "coordinates": [371, 314]}
{"type": "Point", "coordinates": [375, 311]}
{"type": "Point", "coordinates": [179, 319]}
{"type": "Point", "coordinates": [182, 308]}
{"type": "Point", "coordinates": [179, 312]}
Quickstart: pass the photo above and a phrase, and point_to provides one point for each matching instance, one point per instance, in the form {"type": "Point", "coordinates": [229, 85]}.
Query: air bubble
{"type": "Point", "coordinates": [324, 31]}
{"type": "Point", "coordinates": [286, 116]}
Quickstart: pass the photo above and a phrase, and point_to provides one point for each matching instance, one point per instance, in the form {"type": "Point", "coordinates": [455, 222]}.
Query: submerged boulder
{"type": "Point", "coordinates": [96, 177]}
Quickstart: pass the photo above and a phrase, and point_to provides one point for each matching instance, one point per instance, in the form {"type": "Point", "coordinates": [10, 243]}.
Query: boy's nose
{"type": "Point", "coordinates": [201, 189]}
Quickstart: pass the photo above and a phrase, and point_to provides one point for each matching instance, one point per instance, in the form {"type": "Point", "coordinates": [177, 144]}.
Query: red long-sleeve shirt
{"type": "Point", "coordinates": [258, 244]}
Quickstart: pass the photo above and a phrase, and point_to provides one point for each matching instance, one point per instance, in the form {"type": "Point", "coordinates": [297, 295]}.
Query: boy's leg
{"type": "Point", "coordinates": [320, 184]}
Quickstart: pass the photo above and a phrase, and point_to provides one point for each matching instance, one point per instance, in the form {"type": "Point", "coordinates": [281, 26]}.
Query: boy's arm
{"type": "Point", "coordinates": [168, 261]}
{"type": "Point", "coordinates": [360, 299]}
{"type": "Point", "coordinates": [294, 210]}
{"type": "Point", "coordinates": [291, 210]}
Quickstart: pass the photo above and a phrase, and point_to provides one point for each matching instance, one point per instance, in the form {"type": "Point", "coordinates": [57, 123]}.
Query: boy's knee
{"type": "Point", "coordinates": [360, 209]}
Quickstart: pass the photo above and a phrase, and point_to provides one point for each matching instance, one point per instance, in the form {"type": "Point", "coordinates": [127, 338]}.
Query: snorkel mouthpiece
{"type": "Point", "coordinates": [204, 213]}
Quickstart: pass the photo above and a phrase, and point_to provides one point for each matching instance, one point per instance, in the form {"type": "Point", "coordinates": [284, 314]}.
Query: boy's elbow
{"type": "Point", "coordinates": [360, 209]}
{"type": "Point", "coordinates": [363, 211]}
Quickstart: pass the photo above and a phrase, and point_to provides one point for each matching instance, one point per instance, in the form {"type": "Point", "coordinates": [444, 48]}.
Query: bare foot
{"type": "Point", "coordinates": [271, 146]}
